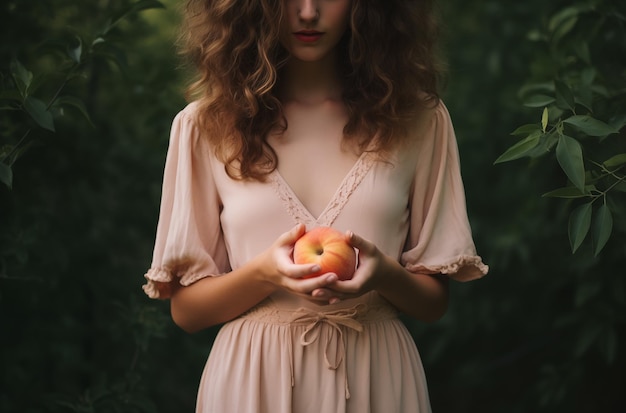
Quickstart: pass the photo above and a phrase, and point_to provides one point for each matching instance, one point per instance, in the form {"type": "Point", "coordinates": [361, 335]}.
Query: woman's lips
{"type": "Point", "coordinates": [308, 36]}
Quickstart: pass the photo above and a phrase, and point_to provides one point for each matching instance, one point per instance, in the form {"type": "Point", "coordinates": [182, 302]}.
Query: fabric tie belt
{"type": "Point", "coordinates": [335, 319]}
{"type": "Point", "coordinates": [338, 320]}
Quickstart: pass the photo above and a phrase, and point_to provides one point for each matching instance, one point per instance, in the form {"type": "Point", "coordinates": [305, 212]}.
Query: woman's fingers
{"type": "Point", "coordinates": [290, 237]}
{"type": "Point", "coordinates": [327, 287]}
{"type": "Point", "coordinates": [332, 296]}
{"type": "Point", "coordinates": [364, 246]}
{"type": "Point", "coordinates": [306, 286]}
{"type": "Point", "coordinates": [282, 252]}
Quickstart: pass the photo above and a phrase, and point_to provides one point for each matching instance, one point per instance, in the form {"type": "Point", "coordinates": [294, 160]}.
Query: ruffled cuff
{"type": "Point", "coordinates": [159, 283]}
{"type": "Point", "coordinates": [161, 280]}
{"type": "Point", "coordinates": [462, 268]}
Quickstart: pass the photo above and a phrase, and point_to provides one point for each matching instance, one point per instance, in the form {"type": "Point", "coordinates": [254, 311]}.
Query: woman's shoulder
{"type": "Point", "coordinates": [189, 113]}
{"type": "Point", "coordinates": [186, 128]}
{"type": "Point", "coordinates": [431, 111]}
{"type": "Point", "coordinates": [431, 123]}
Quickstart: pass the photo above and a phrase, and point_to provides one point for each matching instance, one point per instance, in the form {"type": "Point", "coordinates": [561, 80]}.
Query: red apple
{"type": "Point", "coordinates": [328, 248]}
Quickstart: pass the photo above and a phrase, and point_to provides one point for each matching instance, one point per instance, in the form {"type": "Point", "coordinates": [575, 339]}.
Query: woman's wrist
{"type": "Point", "coordinates": [391, 272]}
{"type": "Point", "coordinates": [262, 273]}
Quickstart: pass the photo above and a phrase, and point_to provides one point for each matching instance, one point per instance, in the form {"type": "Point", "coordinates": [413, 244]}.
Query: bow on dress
{"type": "Point", "coordinates": [335, 319]}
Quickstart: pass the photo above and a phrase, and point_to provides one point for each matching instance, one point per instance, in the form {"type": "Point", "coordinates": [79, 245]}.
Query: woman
{"type": "Point", "coordinates": [311, 113]}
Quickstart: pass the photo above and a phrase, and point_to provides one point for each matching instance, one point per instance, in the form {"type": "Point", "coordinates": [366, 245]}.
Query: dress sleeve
{"type": "Point", "coordinates": [189, 241]}
{"type": "Point", "coordinates": [440, 238]}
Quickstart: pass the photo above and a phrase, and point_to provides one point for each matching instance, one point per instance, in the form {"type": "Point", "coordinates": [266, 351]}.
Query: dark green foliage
{"type": "Point", "coordinates": [78, 224]}
{"type": "Point", "coordinates": [582, 92]}
{"type": "Point", "coordinates": [544, 332]}
{"type": "Point", "coordinates": [87, 94]}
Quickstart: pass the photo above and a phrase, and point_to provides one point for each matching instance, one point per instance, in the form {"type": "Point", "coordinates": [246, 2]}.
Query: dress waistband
{"type": "Point", "coordinates": [350, 317]}
{"type": "Point", "coordinates": [363, 313]}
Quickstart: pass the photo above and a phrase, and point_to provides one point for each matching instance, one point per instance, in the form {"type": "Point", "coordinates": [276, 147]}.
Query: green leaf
{"type": "Point", "coordinates": [526, 130]}
{"type": "Point", "coordinates": [562, 16]}
{"type": "Point", "coordinates": [569, 154]}
{"type": "Point", "coordinates": [98, 40]}
{"type": "Point", "coordinates": [615, 161]}
{"type": "Point", "coordinates": [133, 8]}
{"type": "Point", "coordinates": [539, 100]}
{"type": "Point", "coordinates": [564, 29]}
{"type": "Point", "coordinates": [602, 228]}
{"type": "Point", "coordinates": [521, 148]}
{"type": "Point", "coordinates": [578, 226]}
{"type": "Point", "coordinates": [535, 35]}
{"type": "Point", "coordinates": [564, 21]}
{"type": "Point", "coordinates": [585, 97]}
{"type": "Point", "coordinates": [564, 96]}
{"type": "Point", "coordinates": [76, 53]}
{"type": "Point", "coordinates": [75, 103]}
{"type": "Point", "coordinates": [590, 125]}
{"type": "Point", "coordinates": [39, 112]}
{"type": "Point", "coordinates": [618, 122]}
{"type": "Point", "coordinates": [6, 175]}
{"type": "Point", "coordinates": [21, 76]}
{"type": "Point", "coordinates": [537, 88]}
{"type": "Point", "coordinates": [620, 187]}
{"type": "Point", "coordinates": [584, 94]}
{"type": "Point", "coordinates": [601, 90]}
{"type": "Point", "coordinates": [544, 119]}
{"type": "Point", "coordinates": [588, 75]}
{"type": "Point", "coordinates": [570, 192]}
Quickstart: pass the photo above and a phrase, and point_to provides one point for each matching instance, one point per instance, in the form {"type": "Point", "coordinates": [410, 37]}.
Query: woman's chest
{"type": "Point", "coordinates": [372, 199]}
{"type": "Point", "coordinates": [313, 156]}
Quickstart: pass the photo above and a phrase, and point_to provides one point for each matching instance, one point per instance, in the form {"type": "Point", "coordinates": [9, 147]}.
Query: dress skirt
{"type": "Point", "coordinates": [355, 357]}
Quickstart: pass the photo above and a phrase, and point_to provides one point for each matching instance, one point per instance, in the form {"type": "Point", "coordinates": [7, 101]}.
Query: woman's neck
{"type": "Point", "coordinates": [310, 82]}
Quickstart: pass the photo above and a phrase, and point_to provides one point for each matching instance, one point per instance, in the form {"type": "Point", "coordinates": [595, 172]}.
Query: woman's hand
{"type": "Point", "coordinates": [421, 296]}
{"type": "Point", "coordinates": [277, 266]}
{"type": "Point", "coordinates": [214, 300]}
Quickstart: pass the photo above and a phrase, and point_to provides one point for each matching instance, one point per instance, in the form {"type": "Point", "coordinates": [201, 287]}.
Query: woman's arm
{"type": "Point", "coordinates": [421, 296]}
{"type": "Point", "coordinates": [214, 300]}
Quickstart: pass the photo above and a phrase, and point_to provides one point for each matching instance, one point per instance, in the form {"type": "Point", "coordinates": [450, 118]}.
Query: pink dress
{"type": "Point", "coordinates": [287, 354]}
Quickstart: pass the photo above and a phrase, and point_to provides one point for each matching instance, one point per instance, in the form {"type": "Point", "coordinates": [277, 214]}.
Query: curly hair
{"type": "Point", "coordinates": [387, 57]}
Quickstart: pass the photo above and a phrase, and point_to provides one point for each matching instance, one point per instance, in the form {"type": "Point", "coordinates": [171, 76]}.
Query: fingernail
{"type": "Point", "coordinates": [333, 300]}
{"type": "Point", "coordinates": [332, 278]}
{"type": "Point", "coordinates": [316, 268]}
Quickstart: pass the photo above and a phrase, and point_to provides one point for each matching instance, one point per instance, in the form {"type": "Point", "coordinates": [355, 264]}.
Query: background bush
{"type": "Point", "coordinates": [94, 86]}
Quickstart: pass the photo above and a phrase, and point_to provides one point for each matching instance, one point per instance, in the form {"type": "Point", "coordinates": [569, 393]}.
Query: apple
{"type": "Point", "coordinates": [328, 248]}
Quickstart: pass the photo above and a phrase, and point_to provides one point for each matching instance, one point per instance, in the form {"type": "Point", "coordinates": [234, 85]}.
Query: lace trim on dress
{"type": "Point", "coordinates": [463, 268]}
{"type": "Point", "coordinates": [298, 211]}
{"type": "Point", "coordinates": [347, 187]}
{"type": "Point", "coordinates": [291, 202]}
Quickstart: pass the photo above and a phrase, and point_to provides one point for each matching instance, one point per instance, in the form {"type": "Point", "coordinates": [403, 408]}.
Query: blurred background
{"type": "Point", "coordinates": [88, 93]}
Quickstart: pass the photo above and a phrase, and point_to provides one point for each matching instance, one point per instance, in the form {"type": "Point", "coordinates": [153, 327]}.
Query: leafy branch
{"type": "Point", "coordinates": [580, 115]}
{"type": "Point", "coordinates": [20, 94]}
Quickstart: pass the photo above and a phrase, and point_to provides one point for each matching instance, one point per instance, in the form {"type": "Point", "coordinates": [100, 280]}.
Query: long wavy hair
{"type": "Point", "coordinates": [388, 59]}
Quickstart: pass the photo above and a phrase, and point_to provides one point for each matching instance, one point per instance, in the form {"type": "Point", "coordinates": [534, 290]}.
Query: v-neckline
{"type": "Point", "coordinates": [301, 214]}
